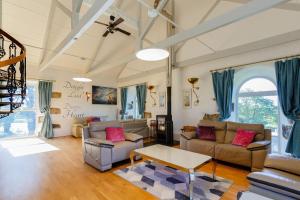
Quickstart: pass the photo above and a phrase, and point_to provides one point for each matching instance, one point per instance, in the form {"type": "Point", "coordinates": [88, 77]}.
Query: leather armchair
{"type": "Point", "coordinates": [101, 153]}
{"type": "Point", "coordinates": [280, 178]}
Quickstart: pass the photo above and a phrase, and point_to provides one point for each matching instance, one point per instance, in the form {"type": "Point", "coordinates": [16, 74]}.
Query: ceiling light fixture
{"type": "Point", "coordinates": [152, 54]}
{"type": "Point", "coordinates": [82, 79]}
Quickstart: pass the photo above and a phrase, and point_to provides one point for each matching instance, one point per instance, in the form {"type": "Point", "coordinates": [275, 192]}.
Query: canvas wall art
{"type": "Point", "coordinates": [104, 95]}
{"type": "Point", "coordinates": [187, 99]}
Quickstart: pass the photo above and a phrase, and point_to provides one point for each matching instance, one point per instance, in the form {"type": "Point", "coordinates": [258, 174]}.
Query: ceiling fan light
{"type": "Point", "coordinates": [152, 54]}
{"type": "Point", "coordinates": [82, 79]}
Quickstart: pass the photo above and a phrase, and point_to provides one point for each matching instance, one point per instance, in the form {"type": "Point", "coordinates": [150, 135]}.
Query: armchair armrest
{"type": "Point", "coordinates": [283, 162]}
{"type": "Point", "coordinates": [258, 145]}
{"type": "Point", "coordinates": [189, 135]}
{"type": "Point", "coordinates": [99, 142]}
{"type": "Point", "coordinates": [133, 137]}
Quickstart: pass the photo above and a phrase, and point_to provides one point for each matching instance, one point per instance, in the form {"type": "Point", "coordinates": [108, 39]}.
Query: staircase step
{"type": "Point", "coordinates": [8, 103]}
{"type": "Point", "coordinates": [6, 95]}
{"type": "Point", "coordinates": [5, 112]}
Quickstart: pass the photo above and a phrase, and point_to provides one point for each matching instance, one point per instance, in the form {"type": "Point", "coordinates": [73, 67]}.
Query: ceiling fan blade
{"type": "Point", "coordinates": [101, 23]}
{"type": "Point", "coordinates": [122, 31]}
{"type": "Point", "coordinates": [117, 22]}
{"type": "Point", "coordinates": [156, 2]}
{"type": "Point", "coordinates": [106, 33]}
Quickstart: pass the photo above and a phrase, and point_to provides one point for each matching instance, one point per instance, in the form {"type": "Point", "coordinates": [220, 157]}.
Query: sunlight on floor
{"type": "Point", "coordinates": [27, 146]}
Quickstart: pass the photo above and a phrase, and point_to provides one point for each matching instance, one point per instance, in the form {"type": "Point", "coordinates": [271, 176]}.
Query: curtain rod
{"type": "Point", "coordinates": [133, 85]}
{"type": "Point", "coordinates": [256, 62]}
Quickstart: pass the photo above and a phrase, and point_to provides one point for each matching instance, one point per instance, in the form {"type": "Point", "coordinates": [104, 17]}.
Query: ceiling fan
{"type": "Point", "coordinates": [111, 27]}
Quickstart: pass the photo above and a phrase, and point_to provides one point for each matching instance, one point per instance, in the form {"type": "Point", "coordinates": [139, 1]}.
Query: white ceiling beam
{"type": "Point", "coordinates": [63, 8]}
{"type": "Point", "coordinates": [245, 48]}
{"type": "Point", "coordinates": [237, 14]}
{"type": "Point", "coordinates": [150, 22]}
{"type": "Point", "coordinates": [47, 31]}
{"type": "Point", "coordinates": [263, 44]}
{"type": "Point", "coordinates": [96, 10]}
{"type": "Point", "coordinates": [76, 6]}
{"type": "Point", "coordinates": [201, 20]}
{"type": "Point", "coordinates": [287, 6]}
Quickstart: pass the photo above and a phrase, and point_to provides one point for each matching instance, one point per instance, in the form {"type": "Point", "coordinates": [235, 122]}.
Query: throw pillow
{"type": "Point", "coordinates": [243, 137]}
{"type": "Point", "coordinates": [206, 133]}
{"type": "Point", "coordinates": [115, 134]}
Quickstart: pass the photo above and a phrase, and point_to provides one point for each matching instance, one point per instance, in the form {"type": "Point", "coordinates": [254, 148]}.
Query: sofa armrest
{"type": "Point", "coordinates": [99, 142]}
{"type": "Point", "coordinates": [283, 163]}
{"type": "Point", "coordinates": [259, 145]}
{"type": "Point", "coordinates": [133, 137]}
{"type": "Point", "coordinates": [189, 135]}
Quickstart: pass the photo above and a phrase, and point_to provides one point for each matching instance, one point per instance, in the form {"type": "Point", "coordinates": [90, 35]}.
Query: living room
{"type": "Point", "coordinates": [149, 99]}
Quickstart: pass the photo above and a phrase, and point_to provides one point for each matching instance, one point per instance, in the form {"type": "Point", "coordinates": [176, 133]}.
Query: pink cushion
{"type": "Point", "coordinates": [115, 134]}
{"type": "Point", "coordinates": [243, 137]}
{"type": "Point", "coordinates": [206, 133]}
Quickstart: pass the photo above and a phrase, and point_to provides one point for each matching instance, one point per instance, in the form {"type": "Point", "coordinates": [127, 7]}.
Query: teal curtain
{"type": "Point", "coordinates": [288, 88]}
{"type": "Point", "coordinates": [223, 87]}
{"type": "Point", "coordinates": [124, 92]}
{"type": "Point", "coordinates": [45, 92]}
{"type": "Point", "coordinates": [141, 91]}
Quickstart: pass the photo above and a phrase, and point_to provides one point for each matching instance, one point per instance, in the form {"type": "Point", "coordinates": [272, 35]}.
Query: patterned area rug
{"type": "Point", "coordinates": [165, 182]}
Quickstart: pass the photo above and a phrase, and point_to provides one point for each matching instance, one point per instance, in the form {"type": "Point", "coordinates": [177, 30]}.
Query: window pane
{"type": "Point", "coordinates": [258, 85]}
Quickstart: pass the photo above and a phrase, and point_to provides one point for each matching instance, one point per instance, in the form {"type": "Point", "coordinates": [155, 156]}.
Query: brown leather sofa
{"type": "Point", "coordinates": [280, 179]}
{"type": "Point", "coordinates": [253, 156]}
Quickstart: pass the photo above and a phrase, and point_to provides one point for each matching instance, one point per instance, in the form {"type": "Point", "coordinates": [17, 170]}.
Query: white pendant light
{"type": "Point", "coordinates": [82, 79]}
{"type": "Point", "coordinates": [152, 54]}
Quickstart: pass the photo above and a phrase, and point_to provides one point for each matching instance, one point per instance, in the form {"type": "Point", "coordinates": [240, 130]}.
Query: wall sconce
{"type": "Point", "coordinates": [193, 81]}
{"type": "Point", "coordinates": [88, 95]}
{"type": "Point", "coordinates": [151, 88]}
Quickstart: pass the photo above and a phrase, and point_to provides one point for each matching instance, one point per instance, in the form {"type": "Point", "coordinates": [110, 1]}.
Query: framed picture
{"type": "Point", "coordinates": [162, 99]}
{"type": "Point", "coordinates": [187, 98]}
{"type": "Point", "coordinates": [104, 95]}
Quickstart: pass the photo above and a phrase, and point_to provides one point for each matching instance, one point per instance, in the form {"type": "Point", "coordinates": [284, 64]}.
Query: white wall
{"type": "Point", "coordinates": [73, 102]}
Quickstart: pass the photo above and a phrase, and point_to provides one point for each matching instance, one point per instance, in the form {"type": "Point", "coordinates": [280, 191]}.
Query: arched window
{"type": "Point", "coordinates": [257, 102]}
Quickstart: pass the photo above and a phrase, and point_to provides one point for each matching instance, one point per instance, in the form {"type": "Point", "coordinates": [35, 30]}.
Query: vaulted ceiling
{"type": "Point", "coordinates": [43, 24]}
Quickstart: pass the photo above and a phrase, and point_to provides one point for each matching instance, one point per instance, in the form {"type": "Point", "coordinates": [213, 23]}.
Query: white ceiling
{"type": "Point", "coordinates": [27, 21]}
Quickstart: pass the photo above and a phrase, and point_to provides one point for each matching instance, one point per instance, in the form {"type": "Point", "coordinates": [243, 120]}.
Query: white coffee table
{"type": "Point", "coordinates": [250, 196]}
{"type": "Point", "coordinates": [177, 158]}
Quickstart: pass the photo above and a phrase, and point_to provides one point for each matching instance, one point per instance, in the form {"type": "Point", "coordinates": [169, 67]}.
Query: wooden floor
{"type": "Point", "coordinates": [61, 174]}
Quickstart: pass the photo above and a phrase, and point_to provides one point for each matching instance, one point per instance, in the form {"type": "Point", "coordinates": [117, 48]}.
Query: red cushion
{"type": "Point", "coordinates": [243, 137]}
{"type": "Point", "coordinates": [206, 133]}
{"type": "Point", "coordinates": [115, 134]}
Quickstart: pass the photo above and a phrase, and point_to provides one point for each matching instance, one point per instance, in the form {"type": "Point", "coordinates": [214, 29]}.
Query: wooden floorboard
{"type": "Point", "coordinates": [62, 175]}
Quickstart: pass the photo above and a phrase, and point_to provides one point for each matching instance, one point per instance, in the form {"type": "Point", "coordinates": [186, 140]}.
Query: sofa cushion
{"type": "Point", "coordinates": [98, 134]}
{"type": "Point", "coordinates": [233, 154]}
{"type": "Point", "coordinates": [277, 181]}
{"type": "Point", "coordinates": [243, 137]}
{"type": "Point", "coordinates": [121, 150]}
{"type": "Point", "coordinates": [233, 126]}
{"type": "Point", "coordinates": [206, 133]}
{"type": "Point", "coordinates": [100, 126]}
{"type": "Point", "coordinates": [220, 128]}
{"type": "Point", "coordinates": [202, 146]}
{"type": "Point", "coordinates": [115, 134]}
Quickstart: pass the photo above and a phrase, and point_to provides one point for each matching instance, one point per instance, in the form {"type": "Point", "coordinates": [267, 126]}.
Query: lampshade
{"type": "Point", "coordinates": [82, 79]}
{"type": "Point", "coordinates": [152, 54]}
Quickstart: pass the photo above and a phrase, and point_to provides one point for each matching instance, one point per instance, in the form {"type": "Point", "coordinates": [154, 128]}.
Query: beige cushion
{"type": "Point", "coordinates": [98, 134]}
{"type": "Point", "coordinates": [220, 128]}
{"type": "Point", "coordinates": [233, 126]}
{"type": "Point", "coordinates": [284, 163]}
{"type": "Point", "coordinates": [121, 150]}
{"type": "Point", "coordinates": [202, 146]}
{"type": "Point", "coordinates": [233, 154]}
{"type": "Point", "coordinates": [133, 137]}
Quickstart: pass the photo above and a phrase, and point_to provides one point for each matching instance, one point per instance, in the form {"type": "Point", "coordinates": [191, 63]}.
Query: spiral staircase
{"type": "Point", "coordinates": [12, 74]}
